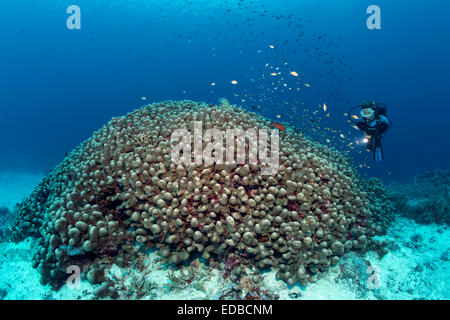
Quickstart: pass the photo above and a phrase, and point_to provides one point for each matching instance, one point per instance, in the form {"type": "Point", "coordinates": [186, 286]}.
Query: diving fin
{"type": "Point", "coordinates": [378, 154]}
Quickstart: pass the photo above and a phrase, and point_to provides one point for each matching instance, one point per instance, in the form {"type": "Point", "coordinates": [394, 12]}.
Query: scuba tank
{"type": "Point", "coordinates": [380, 109]}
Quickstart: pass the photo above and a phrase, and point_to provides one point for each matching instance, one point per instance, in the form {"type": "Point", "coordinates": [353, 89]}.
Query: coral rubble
{"type": "Point", "coordinates": [119, 193]}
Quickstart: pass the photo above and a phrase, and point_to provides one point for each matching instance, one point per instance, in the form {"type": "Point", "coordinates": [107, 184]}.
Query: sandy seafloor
{"type": "Point", "coordinates": [416, 267]}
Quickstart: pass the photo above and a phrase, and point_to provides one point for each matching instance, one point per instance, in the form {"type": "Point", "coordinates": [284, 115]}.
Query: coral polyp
{"type": "Point", "coordinates": [119, 192]}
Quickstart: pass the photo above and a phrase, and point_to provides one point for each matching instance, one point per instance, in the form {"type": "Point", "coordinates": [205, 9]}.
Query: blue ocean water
{"type": "Point", "coordinates": [59, 85]}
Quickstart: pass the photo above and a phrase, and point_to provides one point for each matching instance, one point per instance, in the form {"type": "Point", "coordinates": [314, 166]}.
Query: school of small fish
{"type": "Point", "coordinates": [280, 83]}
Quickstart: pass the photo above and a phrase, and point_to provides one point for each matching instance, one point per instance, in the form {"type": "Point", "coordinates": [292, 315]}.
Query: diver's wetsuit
{"type": "Point", "coordinates": [375, 129]}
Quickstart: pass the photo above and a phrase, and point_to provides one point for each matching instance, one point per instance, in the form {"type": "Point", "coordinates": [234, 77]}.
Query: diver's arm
{"type": "Point", "coordinates": [385, 120]}
{"type": "Point", "coordinates": [361, 125]}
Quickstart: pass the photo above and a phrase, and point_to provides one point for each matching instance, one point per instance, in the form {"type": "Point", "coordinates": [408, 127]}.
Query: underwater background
{"type": "Point", "coordinates": [58, 86]}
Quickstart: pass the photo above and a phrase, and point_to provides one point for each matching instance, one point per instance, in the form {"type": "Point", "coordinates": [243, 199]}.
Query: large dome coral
{"type": "Point", "coordinates": [120, 191]}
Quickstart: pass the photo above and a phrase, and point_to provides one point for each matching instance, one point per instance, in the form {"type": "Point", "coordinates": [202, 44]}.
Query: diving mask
{"type": "Point", "coordinates": [368, 114]}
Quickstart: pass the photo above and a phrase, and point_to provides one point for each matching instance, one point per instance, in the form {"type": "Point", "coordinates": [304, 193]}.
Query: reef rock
{"type": "Point", "coordinates": [426, 199]}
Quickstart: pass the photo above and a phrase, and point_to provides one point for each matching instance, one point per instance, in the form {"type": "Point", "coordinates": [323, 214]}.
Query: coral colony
{"type": "Point", "coordinates": [121, 191]}
{"type": "Point", "coordinates": [213, 152]}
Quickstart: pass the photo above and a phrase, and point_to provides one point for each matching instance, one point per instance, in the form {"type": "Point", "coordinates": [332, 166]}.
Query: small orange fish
{"type": "Point", "coordinates": [279, 126]}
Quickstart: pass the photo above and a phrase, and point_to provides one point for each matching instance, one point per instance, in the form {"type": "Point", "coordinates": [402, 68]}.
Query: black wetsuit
{"type": "Point", "coordinates": [375, 130]}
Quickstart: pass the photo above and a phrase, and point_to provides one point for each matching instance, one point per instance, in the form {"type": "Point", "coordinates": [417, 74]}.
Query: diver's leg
{"type": "Point", "coordinates": [370, 144]}
{"type": "Point", "coordinates": [381, 152]}
{"type": "Point", "coordinates": [378, 151]}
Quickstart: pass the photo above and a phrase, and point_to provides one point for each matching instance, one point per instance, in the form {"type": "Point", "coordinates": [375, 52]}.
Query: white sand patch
{"type": "Point", "coordinates": [326, 288]}
{"type": "Point", "coordinates": [153, 281]}
{"type": "Point", "coordinates": [418, 266]}
{"type": "Point", "coordinates": [21, 281]}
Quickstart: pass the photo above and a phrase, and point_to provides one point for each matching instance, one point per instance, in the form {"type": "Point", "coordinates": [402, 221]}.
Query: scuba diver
{"type": "Point", "coordinates": [374, 122]}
